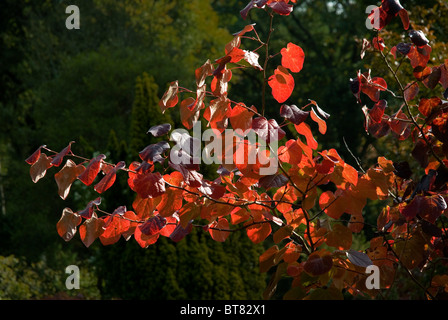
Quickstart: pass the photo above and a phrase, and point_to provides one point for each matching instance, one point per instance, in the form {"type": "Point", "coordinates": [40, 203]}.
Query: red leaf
{"type": "Point", "coordinates": [280, 7]}
{"type": "Point", "coordinates": [171, 202]}
{"type": "Point", "coordinates": [144, 241]}
{"type": "Point", "coordinates": [293, 57]}
{"type": "Point", "coordinates": [377, 112]}
{"type": "Point", "coordinates": [153, 225]}
{"type": "Point", "coordinates": [187, 115]}
{"type": "Point", "coordinates": [108, 180]}
{"type": "Point", "coordinates": [32, 159]}
{"type": "Point", "coordinates": [57, 160]}
{"type": "Point", "coordinates": [282, 84]}
{"type": "Point", "coordinates": [216, 233]}
{"type": "Point", "coordinates": [170, 97]}
{"type": "Point", "coordinates": [419, 56]}
{"type": "Point", "coordinates": [92, 170]}
{"type": "Point", "coordinates": [180, 232]}
{"type": "Point", "coordinates": [411, 91]}
{"type": "Point", "coordinates": [241, 117]}
{"type": "Point", "coordinates": [203, 72]}
{"type": "Point", "coordinates": [149, 185]}
{"type": "Point", "coordinates": [115, 225]}
{"type": "Point", "coordinates": [87, 212]}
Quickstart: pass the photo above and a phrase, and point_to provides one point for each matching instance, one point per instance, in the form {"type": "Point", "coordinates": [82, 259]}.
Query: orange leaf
{"type": "Point", "coordinates": [340, 237]}
{"type": "Point", "coordinates": [350, 174]}
{"type": "Point", "coordinates": [322, 124]}
{"type": "Point", "coordinates": [241, 117]}
{"type": "Point", "coordinates": [331, 205]}
{"type": "Point", "coordinates": [266, 260]}
{"type": "Point", "coordinates": [259, 232]}
{"type": "Point", "coordinates": [143, 240]}
{"type": "Point", "coordinates": [115, 226]}
{"type": "Point", "coordinates": [356, 223]}
{"type": "Point", "coordinates": [171, 202]}
{"type": "Point", "coordinates": [293, 57]}
{"type": "Point", "coordinates": [290, 153]}
{"type": "Point", "coordinates": [145, 207]}
{"type": "Point", "coordinates": [305, 130]}
{"type": "Point", "coordinates": [282, 84]}
{"type": "Point", "coordinates": [292, 252]}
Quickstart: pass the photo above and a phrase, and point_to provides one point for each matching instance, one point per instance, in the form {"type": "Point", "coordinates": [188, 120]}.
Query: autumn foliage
{"type": "Point", "coordinates": [305, 204]}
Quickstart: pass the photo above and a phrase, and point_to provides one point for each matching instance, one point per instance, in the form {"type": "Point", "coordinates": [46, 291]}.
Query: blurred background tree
{"type": "Point", "coordinates": [105, 79]}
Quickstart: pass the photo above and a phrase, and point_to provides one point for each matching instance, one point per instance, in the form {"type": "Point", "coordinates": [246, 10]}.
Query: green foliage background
{"type": "Point", "coordinates": [100, 85]}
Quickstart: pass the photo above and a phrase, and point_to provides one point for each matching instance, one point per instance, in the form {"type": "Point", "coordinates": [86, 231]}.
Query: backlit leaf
{"type": "Point", "coordinates": [91, 229]}
{"type": "Point", "coordinates": [67, 176]}
{"type": "Point", "coordinates": [114, 226]}
{"type": "Point", "coordinates": [241, 118]}
{"type": "Point", "coordinates": [39, 167]}
{"type": "Point", "coordinates": [149, 185]}
{"type": "Point", "coordinates": [108, 180]}
{"type": "Point", "coordinates": [259, 232]}
{"type": "Point", "coordinates": [67, 224]}
{"type": "Point", "coordinates": [92, 170]}
{"type": "Point", "coordinates": [282, 84]}
{"type": "Point", "coordinates": [216, 233]}
{"type": "Point", "coordinates": [170, 97]}
{"type": "Point", "coordinates": [339, 237]}
{"type": "Point", "coordinates": [293, 57]}
{"type": "Point", "coordinates": [35, 156]}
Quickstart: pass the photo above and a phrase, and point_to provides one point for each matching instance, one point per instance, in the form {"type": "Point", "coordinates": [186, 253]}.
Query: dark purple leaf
{"type": "Point", "coordinates": [60, 156]}
{"type": "Point", "coordinates": [268, 130]}
{"type": "Point", "coordinates": [293, 113]}
{"type": "Point", "coordinates": [153, 225]}
{"type": "Point", "coordinates": [179, 233]}
{"type": "Point", "coordinates": [160, 129]}
{"type": "Point", "coordinates": [252, 4]}
{"type": "Point", "coordinates": [418, 38]}
{"type": "Point", "coordinates": [281, 8]}
{"type": "Point", "coordinates": [153, 152]}
{"type": "Point", "coordinates": [88, 211]}
{"type": "Point", "coordinates": [273, 181]}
